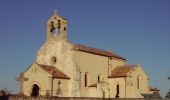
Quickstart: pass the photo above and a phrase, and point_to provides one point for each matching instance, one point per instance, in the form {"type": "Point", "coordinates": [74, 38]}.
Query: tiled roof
{"type": "Point", "coordinates": [54, 71]}
{"type": "Point", "coordinates": [153, 89]}
{"type": "Point", "coordinates": [122, 71]}
{"type": "Point", "coordinates": [93, 85]}
{"type": "Point", "coordinates": [97, 51]}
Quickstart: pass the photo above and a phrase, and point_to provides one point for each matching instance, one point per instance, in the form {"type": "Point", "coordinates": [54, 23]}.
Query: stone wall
{"type": "Point", "coordinates": [72, 98]}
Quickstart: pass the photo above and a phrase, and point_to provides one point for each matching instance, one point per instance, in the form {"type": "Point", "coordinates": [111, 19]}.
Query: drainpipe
{"type": "Point", "coordinates": [52, 86]}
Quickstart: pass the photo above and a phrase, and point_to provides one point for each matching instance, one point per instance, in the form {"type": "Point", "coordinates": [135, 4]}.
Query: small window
{"type": "Point", "coordinates": [53, 60]}
{"type": "Point", "coordinates": [59, 24]}
{"type": "Point", "coordinates": [85, 80]}
{"type": "Point", "coordinates": [138, 82]}
{"type": "Point", "coordinates": [117, 91]}
{"type": "Point", "coordinates": [52, 23]}
{"type": "Point", "coordinates": [64, 28]}
{"type": "Point", "coordinates": [52, 27]}
{"type": "Point", "coordinates": [99, 78]}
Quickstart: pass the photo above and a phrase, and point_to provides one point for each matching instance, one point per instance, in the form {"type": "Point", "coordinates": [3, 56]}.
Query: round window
{"type": "Point", "coordinates": [53, 60]}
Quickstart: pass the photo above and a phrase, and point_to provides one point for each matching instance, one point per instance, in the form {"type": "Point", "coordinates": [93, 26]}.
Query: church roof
{"type": "Point", "coordinates": [153, 89]}
{"type": "Point", "coordinates": [122, 71]}
{"type": "Point", "coordinates": [97, 51]}
{"type": "Point", "coordinates": [54, 71]}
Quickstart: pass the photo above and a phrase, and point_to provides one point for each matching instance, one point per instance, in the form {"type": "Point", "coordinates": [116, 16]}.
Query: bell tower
{"type": "Point", "coordinates": [56, 27]}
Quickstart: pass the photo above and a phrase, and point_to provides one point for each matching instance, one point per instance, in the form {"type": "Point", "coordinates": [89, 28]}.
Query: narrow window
{"type": "Point", "coordinates": [52, 27]}
{"type": "Point", "coordinates": [58, 28]}
{"type": "Point", "coordinates": [53, 60]}
{"type": "Point", "coordinates": [117, 91]}
{"type": "Point", "coordinates": [99, 77]}
{"type": "Point", "coordinates": [59, 24]}
{"type": "Point", "coordinates": [64, 28]}
{"type": "Point", "coordinates": [85, 80]}
{"type": "Point", "coordinates": [138, 82]}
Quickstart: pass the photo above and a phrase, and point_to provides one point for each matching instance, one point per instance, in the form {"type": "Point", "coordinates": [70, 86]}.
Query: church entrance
{"type": "Point", "coordinates": [35, 90]}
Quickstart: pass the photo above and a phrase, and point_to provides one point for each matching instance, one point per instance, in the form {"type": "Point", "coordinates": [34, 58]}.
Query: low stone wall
{"type": "Point", "coordinates": [3, 97]}
{"type": "Point", "coordinates": [71, 98]}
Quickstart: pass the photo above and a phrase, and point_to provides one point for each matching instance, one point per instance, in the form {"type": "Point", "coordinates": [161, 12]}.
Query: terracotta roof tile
{"type": "Point", "coordinates": [54, 71]}
{"type": "Point", "coordinates": [97, 51]}
{"type": "Point", "coordinates": [122, 71]}
{"type": "Point", "coordinates": [153, 89]}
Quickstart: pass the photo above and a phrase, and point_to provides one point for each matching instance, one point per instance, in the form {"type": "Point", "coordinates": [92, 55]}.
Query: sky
{"type": "Point", "coordinates": [138, 30]}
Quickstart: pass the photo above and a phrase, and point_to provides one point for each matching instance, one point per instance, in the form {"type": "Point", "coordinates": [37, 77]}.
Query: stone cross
{"type": "Point", "coordinates": [59, 90]}
{"type": "Point", "coordinates": [55, 12]}
{"type": "Point", "coordinates": [21, 79]}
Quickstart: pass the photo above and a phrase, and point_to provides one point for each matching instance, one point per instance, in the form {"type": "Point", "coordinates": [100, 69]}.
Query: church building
{"type": "Point", "coordinates": [66, 69]}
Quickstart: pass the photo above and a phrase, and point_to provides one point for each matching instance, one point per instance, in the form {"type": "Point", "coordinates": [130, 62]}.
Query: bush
{"type": "Point", "coordinates": [5, 92]}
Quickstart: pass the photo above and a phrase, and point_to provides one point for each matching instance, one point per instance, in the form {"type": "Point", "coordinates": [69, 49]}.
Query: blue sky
{"type": "Point", "coordinates": [139, 30]}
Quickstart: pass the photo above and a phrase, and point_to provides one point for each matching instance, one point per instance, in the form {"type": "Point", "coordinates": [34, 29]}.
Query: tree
{"type": "Point", "coordinates": [169, 78]}
{"type": "Point", "coordinates": [168, 93]}
{"type": "Point", "coordinates": [5, 92]}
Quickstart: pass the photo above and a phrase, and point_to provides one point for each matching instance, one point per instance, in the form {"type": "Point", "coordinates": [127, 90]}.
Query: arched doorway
{"type": "Point", "coordinates": [35, 90]}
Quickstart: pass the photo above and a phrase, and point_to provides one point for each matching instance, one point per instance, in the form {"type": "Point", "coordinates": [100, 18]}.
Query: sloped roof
{"type": "Point", "coordinates": [97, 51]}
{"type": "Point", "coordinates": [153, 89]}
{"type": "Point", "coordinates": [151, 96]}
{"type": "Point", "coordinates": [54, 71]}
{"type": "Point", "coordinates": [122, 71]}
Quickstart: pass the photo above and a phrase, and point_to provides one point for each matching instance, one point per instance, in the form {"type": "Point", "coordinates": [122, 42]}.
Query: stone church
{"type": "Point", "coordinates": [65, 69]}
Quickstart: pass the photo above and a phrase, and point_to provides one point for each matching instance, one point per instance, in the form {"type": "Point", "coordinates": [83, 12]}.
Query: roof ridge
{"type": "Point", "coordinates": [55, 72]}
{"type": "Point", "coordinates": [97, 51]}
{"type": "Point", "coordinates": [123, 71]}
{"type": "Point", "coordinates": [96, 48]}
{"type": "Point", "coordinates": [129, 65]}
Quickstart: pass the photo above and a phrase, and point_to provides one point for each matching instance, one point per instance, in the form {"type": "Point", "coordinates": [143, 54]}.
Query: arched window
{"type": "Point", "coordinates": [53, 60]}
{"type": "Point", "coordinates": [59, 24]}
{"type": "Point", "coordinates": [117, 91]}
{"type": "Point", "coordinates": [65, 28]}
{"type": "Point", "coordinates": [52, 27]}
{"type": "Point", "coordinates": [85, 79]}
{"type": "Point", "coordinates": [99, 78]}
{"type": "Point", "coordinates": [138, 83]}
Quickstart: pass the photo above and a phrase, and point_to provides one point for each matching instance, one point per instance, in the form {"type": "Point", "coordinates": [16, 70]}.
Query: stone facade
{"type": "Point", "coordinates": [65, 69]}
